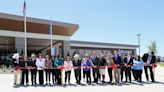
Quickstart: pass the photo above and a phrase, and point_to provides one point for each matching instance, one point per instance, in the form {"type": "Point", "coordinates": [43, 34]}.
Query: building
{"type": "Point", "coordinates": [82, 47]}
{"type": "Point", "coordinates": [38, 38]}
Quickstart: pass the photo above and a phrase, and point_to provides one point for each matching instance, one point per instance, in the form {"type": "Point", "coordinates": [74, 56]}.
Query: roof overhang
{"type": "Point", "coordinates": [35, 25]}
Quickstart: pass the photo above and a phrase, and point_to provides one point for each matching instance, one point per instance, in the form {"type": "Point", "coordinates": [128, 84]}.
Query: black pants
{"type": "Point", "coordinates": [110, 74]}
{"type": "Point", "coordinates": [151, 73]}
{"type": "Point", "coordinates": [138, 74]}
{"type": "Point", "coordinates": [78, 75]}
{"type": "Point", "coordinates": [84, 74]}
{"type": "Point", "coordinates": [122, 72]}
{"type": "Point", "coordinates": [41, 77]}
{"type": "Point", "coordinates": [33, 76]}
{"type": "Point", "coordinates": [67, 76]}
{"type": "Point", "coordinates": [48, 75]}
{"type": "Point", "coordinates": [54, 76]}
{"type": "Point", "coordinates": [134, 74]}
{"type": "Point", "coordinates": [96, 75]}
{"type": "Point", "coordinates": [24, 76]}
{"type": "Point", "coordinates": [88, 74]}
{"type": "Point", "coordinates": [128, 73]}
{"type": "Point", "coordinates": [58, 76]}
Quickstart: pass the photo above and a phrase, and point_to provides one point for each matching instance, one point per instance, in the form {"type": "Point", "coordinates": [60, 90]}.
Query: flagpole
{"type": "Point", "coordinates": [25, 36]}
{"type": "Point", "coordinates": [51, 38]}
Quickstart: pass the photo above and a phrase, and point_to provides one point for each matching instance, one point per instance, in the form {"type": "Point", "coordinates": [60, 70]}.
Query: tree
{"type": "Point", "coordinates": [152, 47]}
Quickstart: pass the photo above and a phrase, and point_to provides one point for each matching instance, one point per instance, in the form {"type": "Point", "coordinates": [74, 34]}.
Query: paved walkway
{"type": "Point", "coordinates": [6, 84]}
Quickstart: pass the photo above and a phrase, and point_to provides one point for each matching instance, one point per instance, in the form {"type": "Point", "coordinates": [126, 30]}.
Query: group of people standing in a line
{"type": "Point", "coordinates": [117, 65]}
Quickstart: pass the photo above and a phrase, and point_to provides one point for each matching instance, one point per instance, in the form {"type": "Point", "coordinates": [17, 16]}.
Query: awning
{"type": "Point", "coordinates": [35, 25]}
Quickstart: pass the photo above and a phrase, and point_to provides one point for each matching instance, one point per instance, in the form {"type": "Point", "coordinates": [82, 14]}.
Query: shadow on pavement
{"type": "Point", "coordinates": [99, 84]}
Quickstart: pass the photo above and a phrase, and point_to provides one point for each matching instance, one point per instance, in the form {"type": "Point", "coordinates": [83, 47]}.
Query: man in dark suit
{"type": "Point", "coordinates": [77, 68]}
{"type": "Point", "coordinates": [23, 67]}
{"type": "Point", "coordinates": [33, 69]}
{"type": "Point", "coordinates": [95, 69]}
{"type": "Point", "coordinates": [128, 62]}
{"type": "Point", "coordinates": [149, 60]}
{"type": "Point", "coordinates": [117, 62]}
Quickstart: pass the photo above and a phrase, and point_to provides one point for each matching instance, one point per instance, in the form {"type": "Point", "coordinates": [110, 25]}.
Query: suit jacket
{"type": "Point", "coordinates": [145, 58]}
{"type": "Point", "coordinates": [118, 60]}
{"type": "Point", "coordinates": [24, 65]}
{"type": "Point", "coordinates": [32, 63]}
{"type": "Point", "coordinates": [130, 61]}
{"type": "Point", "coordinates": [95, 61]}
{"type": "Point", "coordinates": [77, 63]}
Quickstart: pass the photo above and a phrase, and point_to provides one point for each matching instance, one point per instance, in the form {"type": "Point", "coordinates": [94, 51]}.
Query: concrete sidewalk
{"type": "Point", "coordinates": [6, 84]}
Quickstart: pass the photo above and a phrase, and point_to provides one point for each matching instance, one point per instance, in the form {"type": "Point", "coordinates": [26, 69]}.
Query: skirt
{"type": "Point", "coordinates": [102, 71]}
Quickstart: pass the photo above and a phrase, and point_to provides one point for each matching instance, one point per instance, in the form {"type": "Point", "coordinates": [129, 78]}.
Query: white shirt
{"type": "Point", "coordinates": [128, 59]}
{"type": "Point", "coordinates": [68, 65]}
{"type": "Point", "coordinates": [149, 59]}
{"type": "Point", "coordinates": [40, 63]}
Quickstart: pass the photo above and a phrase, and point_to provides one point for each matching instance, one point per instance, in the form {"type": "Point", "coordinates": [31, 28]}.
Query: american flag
{"type": "Point", "coordinates": [24, 8]}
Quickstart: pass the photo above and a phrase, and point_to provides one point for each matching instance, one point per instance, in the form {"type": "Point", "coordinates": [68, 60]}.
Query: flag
{"type": "Point", "coordinates": [24, 8]}
{"type": "Point", "coordinates": [50, 28]}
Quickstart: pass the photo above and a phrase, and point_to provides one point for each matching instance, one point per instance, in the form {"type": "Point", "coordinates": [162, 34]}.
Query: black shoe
{"type": "Point", "coordinates": [69, 82]}
{"type": "Point", "coordinates": [22, 84]}
{"type": "Point", "coordinates": [27, 84]}
{"type": "Point", "coordinates": [152, 81]}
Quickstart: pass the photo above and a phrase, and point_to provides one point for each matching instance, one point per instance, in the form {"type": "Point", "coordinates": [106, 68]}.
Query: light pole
{"type": "Point", "coordinates": [139, 35]}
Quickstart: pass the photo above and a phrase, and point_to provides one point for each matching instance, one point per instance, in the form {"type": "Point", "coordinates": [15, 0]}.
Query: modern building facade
{"type": "Point", "coordinates": [38, 38]}
{"type": "Point", "coordinates": [82, 47]}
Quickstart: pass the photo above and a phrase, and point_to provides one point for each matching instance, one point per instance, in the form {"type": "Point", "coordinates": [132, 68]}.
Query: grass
{"type": "Point", "coordinates": [161, 64]}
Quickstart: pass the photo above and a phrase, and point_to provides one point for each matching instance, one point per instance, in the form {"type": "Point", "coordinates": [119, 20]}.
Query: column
{"type": "Point", "coordinates": [20, 45]}
{"type": "Point", "coordinates": [66, 48]}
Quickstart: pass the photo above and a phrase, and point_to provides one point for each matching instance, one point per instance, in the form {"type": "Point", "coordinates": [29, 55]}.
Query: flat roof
{"type": "Point", "coordinates": [87, 44]}
{"type": "Point", "coordinates": [35, 25]}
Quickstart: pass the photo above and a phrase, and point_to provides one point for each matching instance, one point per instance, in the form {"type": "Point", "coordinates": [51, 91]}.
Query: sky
{"type": "Point", "coordinates": [110, 21]}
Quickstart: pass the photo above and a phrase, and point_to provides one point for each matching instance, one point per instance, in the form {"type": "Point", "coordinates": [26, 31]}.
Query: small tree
{"type": "Point", "coordinates": [153, 47]}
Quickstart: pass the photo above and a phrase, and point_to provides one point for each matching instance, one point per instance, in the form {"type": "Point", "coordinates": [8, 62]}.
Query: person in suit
{"type": "Point", "coordinates": [40, 63]}
{"type": "Point", "coordinates": [149, 60]}
{"type": "Point", "coordinates": [33, 69]}
{"type": "Point", "coordinates": [122, 68]}
{"type": "Point", "coordinates": [102, 65]}
{"type": "Point", "coordinates": [77, 68]}
{"type": "Point", "coordinates": [23, 64]}
{"type": "Point", "coordinates": [128, 62]}
{"type": "Point", "coordinates": [95, 70]}
{"type": "Point", "coordinates": [117, 62]}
